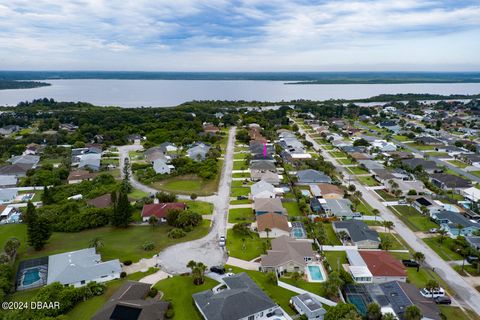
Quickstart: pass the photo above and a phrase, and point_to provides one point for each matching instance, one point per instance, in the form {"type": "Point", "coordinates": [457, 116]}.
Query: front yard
{"type": "Point", "coordinates": [413, 219]}
{"type": "Point", "coordinates": [443, 248]}
{"type": "Point", "coordinates": [240, 215]}
{"type": "Point", "coordinates": [368, 181]}
{"type": "Point", "coordinates": [250, 248]}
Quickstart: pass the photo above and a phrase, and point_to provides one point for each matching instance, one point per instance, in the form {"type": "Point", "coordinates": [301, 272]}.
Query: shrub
{"type": "Point", "coordinates": [123, 274]}
{"type": "Point", "coordinates": [148, 245]}
{"type": "Point", "coordinates": [127, 262]}
{"type": "Point", "coordinates": [176, 233]}
{"type": "Point", "coordinates": [193, 196]}
{"type": "Point", "coordinates": [153, 292]}
{"type": "Point", "coordinates": [169, 314]}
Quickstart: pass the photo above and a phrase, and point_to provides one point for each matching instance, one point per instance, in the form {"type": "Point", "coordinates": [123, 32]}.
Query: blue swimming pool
{"type": "Point", "coordinates": [358, 302]}
{"type": "Point", "coordinates": [31, 276]}
{"type": "Point", "coordinates": [315, 273]}
{"type": "Point", "coordinates": [298, 233]}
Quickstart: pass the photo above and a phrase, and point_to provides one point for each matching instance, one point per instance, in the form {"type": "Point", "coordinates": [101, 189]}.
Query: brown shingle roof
{"type": "Point", "coordinates": [285, 249]}
{"type": "Point", "coordinates": [101, 202]}
{"type": "Point", "coordinates": [327, 188]}
{"type": "Point", "coordinates": [272, 220]}
{"type": "Point", "coordinates": [382, 263]}
{"type": "Point", "coordinates": [160, 210]}
{"type": "Point", "coordinates": [80, 175]}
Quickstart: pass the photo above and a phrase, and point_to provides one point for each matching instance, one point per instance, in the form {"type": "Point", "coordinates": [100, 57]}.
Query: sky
{"type": "Point", "coordinates": [240, 35]}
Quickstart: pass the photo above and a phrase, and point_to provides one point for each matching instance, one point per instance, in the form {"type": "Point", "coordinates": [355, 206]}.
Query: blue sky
{"type": "Point", "coordinates": [240, 35]}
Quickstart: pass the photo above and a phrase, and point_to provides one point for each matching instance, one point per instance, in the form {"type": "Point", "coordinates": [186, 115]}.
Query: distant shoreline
{"type": "Point", "coordinates": [14, 84]}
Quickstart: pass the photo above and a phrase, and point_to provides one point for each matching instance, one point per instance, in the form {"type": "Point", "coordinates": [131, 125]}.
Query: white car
{"type": "Point", "coordinates": [222, 241]}
{"type": "Point", "coordinates": [229, 274]}
{"type": "Point", "coordinates": [439, 292]}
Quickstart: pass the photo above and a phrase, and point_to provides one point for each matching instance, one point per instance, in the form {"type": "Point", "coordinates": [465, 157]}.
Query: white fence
{"type": "Point", "coordinates": [301, 291]}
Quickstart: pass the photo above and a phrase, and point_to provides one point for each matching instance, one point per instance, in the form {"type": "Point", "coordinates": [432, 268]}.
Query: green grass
{"type": "Point", "coordinates": [443, 249]}
{"type": "Point", "coordinates": [468, 268]}
{"type": "Point", "coordinates": [292, 209]}
{"type": "Point", "coordinates": [357, 170]}
{"type": "Point", "coordinates": [364, 208]}
{"type": "Point", "coordinates": [396, 244]}
{"type": "Point", "coordinates": [187, 184]}
{"type": "Point", "coordinates": [240, 215]}
{"type": "Point", "coordinates": [386, 195]}
{"type": "Point", "coordinates": [200, 207]}
{"type": "Point", "coordinates": [337, 154]}
{"type": "Point", "coordinates": [332, 238]}
{"type": "Point", "coordinates": [420, 278]}
{"type": "Point", "coordinates": [253, 245]}
{"type": "Point", "coordinates": [179, 291]}
{"type": "Point", "coordinates": [242, 183]}
{"type": "Point", "coordinates": [241, 175]}
{"type": "Point", "coordinates": [240, 165]}
{"type": "Point", "coordinates": [414, 219]}
{"type": "Point", "coordinates": [368, 181]}
{"type": "Point", "coordinates": [336, 257]}
{"type": "Point", "coordinates": [239, 191]}
{"type": "Point", "coordinates": [437, 154]}
{"type": "Point", "coordinates": [138, 194]}
{"type": "Point", "coordinates": [313, 287]}
{"type": "Point", "coordinates": [245, 201]}
{"type": "Point", "coordinates": [345, 161]}
{"type": "Point", "coordinates": [240, 155]}
{"type": "Point", "coordinates": [123, 244]}
{"type": "Point", "coordinates": [400, 138]}
{"type": "Point", "coordinates": [420, 146]}
{"type": "Point", "coordinates": [458, 163]}
{"type": "Point", "coordinates": [455, 313]}
{"type": "Point", "coordinates": [278, 294]}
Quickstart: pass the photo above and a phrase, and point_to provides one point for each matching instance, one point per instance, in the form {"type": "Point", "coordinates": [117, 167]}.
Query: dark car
{"type": "Point", "coordinates": [472, 259]}
{"type": "Point", "coordinates": [443, 300]}
{"type": "Point", "coordinates": [411, 263]}
{"type": "Point", "coordinates": [242, 198]}
{"type": "Point", "coordinates": [218, 269]}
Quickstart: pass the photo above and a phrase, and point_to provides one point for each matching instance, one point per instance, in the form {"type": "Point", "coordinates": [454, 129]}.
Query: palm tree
{"type": "Point", "coordinates": [268, 230]}
{"type": "Point", "coordinates": [412, 313]}
{"type": "Point", "coordinates": [386, 243]}
{"type": "Point", "coordinates": [375, 212]}
{"type": "Point", "coordinates": [432, 285]}
{"type": "Point", "coordinates": [96, 243]}
{"type": "Point", "coordinates": [198, 271]}
{"type": "Point", "coordinates": [410, 202]}
{"type": "Point", "coordinates": [442, 234]}
{"type": "Point", "coordinates": [388, 225]}
{"type": "Point", "coordinates": [419, 256]}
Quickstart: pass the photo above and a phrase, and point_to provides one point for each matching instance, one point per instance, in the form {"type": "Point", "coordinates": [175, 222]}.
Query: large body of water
{"type": "Point", "coordinates": [162, 93]}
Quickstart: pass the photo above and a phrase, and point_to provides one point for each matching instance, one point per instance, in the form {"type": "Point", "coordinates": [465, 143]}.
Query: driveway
{"type": "Point", "coordinates": [465, 292]}
{"type": "Point", "coordinates": [175, 258]}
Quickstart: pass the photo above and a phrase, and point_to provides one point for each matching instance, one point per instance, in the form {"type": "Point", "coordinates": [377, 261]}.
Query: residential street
{"type": "Point", "coordinates": [175, 258]}
{"type": "Point", "coordinates": [466, 294]}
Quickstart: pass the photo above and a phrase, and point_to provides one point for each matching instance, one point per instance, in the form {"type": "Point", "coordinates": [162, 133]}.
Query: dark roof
{"type": "Point", "coordinates": [428, 307]}
{"type": "Point", "coordinates": [128, 303]}
{"type": "Point", "coordinates": [160, 210]}
{"type": "Point", "coordinates": [456, 219]}
{"type": "Point", "coordinates": [423, 202]}
{"type": "Point", "coordinates": [15, 169]}
{"type": "Point", "coordinates": [451, 181]}
{"type": "Point", "coordinates": [415, 162]}
{"type": "Point", "coordinates": [242, 298]}
{"type": "Point", "coordinates": [103, 201]}
{"type": "Point", "coordinates": [310, 175]}
{"type": "Point", "coordinates": [263, 165]}
{"type": "Point", "coordinates": [358, 230]}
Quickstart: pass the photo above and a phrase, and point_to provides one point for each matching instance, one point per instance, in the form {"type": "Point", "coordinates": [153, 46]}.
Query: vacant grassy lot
{"type": "Point", "coordinates": [414, 219]}
{"type": "Point", "coordinates": [396, 244]}
{"type": "Point", "coordinates": [357, 170]}
{"type": "Point", "coordinates": [458, 163]}
{"type": "Point", "coordinates": [252, 248]}
{"type": "Point", "coordinates": [240, 215]}
{"type": "Point", "coordinates": [368, 181]}
{"type": "Point", "coordinates": [345, 161]}
{"type": "Point", "coordinates": [200, 207]}
{"type": "Point", "coordinates": [239, 191]}
{"type": "Point", "coordinates": [420, 146]}
{"type": "Point", "coordinates": [292, 208]}
{"type": "Point", "coordinates": [443, 249]}
{"type": "Point", "coordinates": [179, 290]}
{"type": "Point", "coordinates": [187, 184]}
{"type": "Point", "coordinates": [241, 175]}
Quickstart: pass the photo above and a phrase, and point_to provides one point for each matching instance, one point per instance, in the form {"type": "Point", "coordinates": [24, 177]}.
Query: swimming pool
{"type": "Point", "coordinates": [315, 273]}
{"type": "Point", "coordinates": [298, 233]}
{"type": "Point", "coordinates": [358, 302]}
{"type": "Point", "coordinates": [31, 276]}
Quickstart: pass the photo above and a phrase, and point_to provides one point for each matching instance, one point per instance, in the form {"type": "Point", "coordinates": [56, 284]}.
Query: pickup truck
{"type": "Point", "coordinates": [411, 263]}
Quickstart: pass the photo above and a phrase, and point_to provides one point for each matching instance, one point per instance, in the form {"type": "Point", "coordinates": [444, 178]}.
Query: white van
{"type": "Point", "coordinates": [432, 294]}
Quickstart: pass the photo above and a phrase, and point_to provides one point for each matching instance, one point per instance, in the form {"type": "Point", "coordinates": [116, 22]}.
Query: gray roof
{"type": "Point", "coordinates": [8, 194]}
{"type": "Point", "coordinates": [455, 218]}
{"type": "Point", "coordinates": [15, 169]}
{"type": "Point", "coordinates": [242, 298]}
{"type": "Point", "coordinates": [339, 207]}
{"type": "Point", "coordinates": [76, 266]}
{"type": "Point", "coordinates": [451, 181]}
{"type": "Point", "coordinates": [26, 159]}
{"type": "Point", "coordinates": [198, 151]}
{"type": "Point", "coordinates": [310, 306]}
{"type": "Point", "coordinates": [260, 187]}
{"type": "Point", "coordinates": [415, 162]}
{"type": "Point", "coordinates": [8, 180]}
{"type": "Point", "coordinates": [286, 249]}
{"type": "Point", "coordinates": [371, 164]}
{"type": "Point", "coordinates": [90, 160]}
{"type": "Point", "coordinates": [264, 165]}
{"type": "Point", "coordinates": [312, 176]}
{"type": "Point", "coordinates": [358, 230]}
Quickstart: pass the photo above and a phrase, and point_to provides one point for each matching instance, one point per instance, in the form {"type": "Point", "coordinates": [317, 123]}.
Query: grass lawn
{"type": "Point", "coordinates": [313, 287]}
{"type": "Point", "coordinates": [253, 245]}
{"type": "Point", "coordinates": [239, 191]}
{"type": "Point", "coordinates": [123, 244]}
{"type": "Point", "coordinates": [241, 175]}
{"type": "Point", "coordinates": [414, 219]}
{"type": "Point", "coordinates": [364, 208]}
{"type": "Point", "coordinates": [240, 215]}
{"type": "Point", "coordinates": [199, 207]}
{"type": "Point", "coordinates": [443, 249]}
{"type": "Point", "coordinates": [240, 165]}
{"type": "Point", "coordinates": [240, 155]}
{"type": "Point", "coordinates": [400, 138]}
{"type": "Point", "coordinates": [278, 294]}
{"type": "Point", "coordinates": [420, 278]}
{"type": "Point", "coordinates": [368, 181]}
{"type": "Point", "coordinates": [292, 208]}
{"type": "Point", "coordinates": [187, 184]}
{"type": "Point", "coordinates": [455, 313]}
{"type": "Point", "coordinates": [332, 238]}
{"type": "Point", "coordinates": [327, 146]}
{"type": "Point", "coordinates": [338, 154]}
{"type": "Point", "coordinates": [437, 154]}
{"type": "Point", "coordinates": [357, 170]}
{"type": "Point", "coordinates": [245, 201]}
{"type": "Point", "coordinates": [179, 291]}
{"type": "Point", "coordinates": [476, 173]}
{"type": "Point", "coordinates": [242, 183]}
{"type": "Point", "coordinates": [386, 195]}
{"type": "Point", "coordinates": [396, 244]}
{"type": "Point", "coordinates": [345, 161]}
{"type": "Point", "coordinates": [468, 268]}
{"type": "Point", "coordinates": [336, 258]}
{"type": "Point", "coordinates": [458, 163]}
{"type": "Point", "coordinates": [420, 146]}
{"type": "Point", "coordinates": [16, 230]}
{"type": "Point", "coordinates": [138, 194]}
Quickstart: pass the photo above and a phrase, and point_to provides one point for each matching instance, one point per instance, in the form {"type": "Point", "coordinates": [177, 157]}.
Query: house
{"type": "Point", "coordinates": [261, 147]}
{"type": "Point", "coordinates": [382, 175]}
{"type": "Point", "coordinates": [8, 130]}
{"type": "Point", "coordinates": [426, 165]}
{"type": "Point", "coordinates": [8, 195]}
{"type": "Point", "coordinates": [383, 266]}
{"type": "Point", "coordinates": [268, 205]}
{"type": "Point", "coordinates": [9, 214]}
{"type": "Point", "coordinates": [359, 233]}
{"type": "Point", "coordinates": [340, 208]}
{"type": "Point", "coordinates": [455, 224]}
{"type": "Point", "coordinates": [101, 202]}
{"type": "Point", "coordinates": [262, 189]}
{"type": "Point", "coordinates": [471, 159]}
{"type": "Point", "coordinates": [405, 186]}
{"type": "Point", "coordinates": [358, 268]}
{"type": "Point", "coordinates": [198, 151]}
{"type": "Point", "coordinates": [129, 302]}
{"type": "Point", "coordinates": [371, 165]}
{"type": "Point", "coordinates": [168, 147]}
{"type": "Point", "coordinates": [209, 128]}
{"type": "Point", "coordinates": [311, 176]}
{"type": "Point", "coordinates": [287, 255]}
{"type": "Point", "coordinates": [359, 156]}
{"type": "Point", "coordinates": [384, 146]}
{"type": "Point", "coordinates": [472, 194]}
{"type": "Point", "coordinates": [80, 267]}
{"type": "Point", "coordinates": [277, 223]}
{"type": "Point", "coordinates": [161, 167]}
{"type": "Point", "coordinates": [308, 305]}
{"type": "Point", "coordinates": [241, 299]}
{"type": "Point", "coordinates": [90, 161]}
{"type": "Point", "coordinates": [474, 242]}
{"type": "Point", "coordinates": [330, 191]}
{"type": "Point", "coordinates": [263, 165]}
{"type": "Point", "coordinates": [77, 176]}
{"type": "Point", "coordinates": [25, 159]}
{"type": "Point", "coordinates": [432, 206]}
{"type": "Point", "coordinates": [449, 181]}
{"type": "Point", "coordinates": [267, 176]}
{"type": "Point", "coordinates": [8, 181]}
{"type": "Point", "coordinates": [155, 153]}
{"type": "Point", "coordinates": [315, 205]}
{"type": "Point", "coordinates": [430, 141]}
{"type": "Point", "coordinates": [18, 170]}
{"type": "Point", "coordinates": [160, 210]}
{"type": "Point", "coordinates": [31, 149]}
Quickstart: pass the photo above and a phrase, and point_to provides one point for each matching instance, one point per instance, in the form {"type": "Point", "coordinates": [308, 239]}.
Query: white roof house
{"type": "Point", "coordinates": [358, 268]}
{"type": "Point", "coordinates": [90, 160]}
{"type": "Point", "coordinates": [8, 181]}
{"type": "Point", "coordinates": [160, 166]}
{"type": "Point", "coordinates": [472, 194]}
{"type": "Point", "coordinates": [262, 189]}
{"type": "Point", "coordinates": [80, 267]}
{"type": "Point", "coordinates": [8, 195]}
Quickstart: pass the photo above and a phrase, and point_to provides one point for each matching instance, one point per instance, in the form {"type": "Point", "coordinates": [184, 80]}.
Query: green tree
{"type": "Point", "coordinates": [47, 197]}
{"type": "Point", "coordinates": [198, 271]}
{"type": "Point", "coordinates": [11, 247]}
{"type": "Point", "coordinates": [332, 285]}
{"type": "Point", "coordinates": [386, 242]}
{"type": "Point", "coordinates": [153, 221]}
{"type": "Point", "coordinates": [268, 230]}
{"type": "Point", "coordinates": [432, 285]}
{"type": "Point", "coordinates": [38, 228]}
{"type": "Point", "coordinates": [389, 316]}
{"type": "Point", "coordinates": [374, 312]}
{"type": "Point", "coordinates": [96, 243]}
{"type": "Point", "coordinates": [342, 311]}
{"type": "Point", "coordinates": [388, 225]}
{"type": "Point", "coordinates": [412, 313]}
{"type": "Point", "coordinates": [122, 211]}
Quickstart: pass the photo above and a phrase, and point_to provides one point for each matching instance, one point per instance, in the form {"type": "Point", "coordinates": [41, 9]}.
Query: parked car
{"type": "Point", "coordinates": [443, 300]}
{"type": "Point", "coordinates": [411, 263]}
{"type": "Point", "coordinates": [222, 241]}
{"type": "Point", "coordinates": [218, 269]}
{"type": "Point", "coordinates": [357, 215]}
{"type": "Point", "coordinates": [229, 274]}
{"type": "Point", "coordinates": [402, 201]}
{"type": "Point", "coordinates": [439, 292]}
{"type": "Point", "coordinates": [242, 198]}
{"type": "Point", "coordinates": [472, 259]}
{"type": "Point", "coordinates": [433, 230]}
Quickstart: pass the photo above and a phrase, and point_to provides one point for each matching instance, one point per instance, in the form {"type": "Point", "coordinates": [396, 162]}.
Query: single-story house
{"type": "Point", "coordinates": [359, 232]}
{"type": "Point", "coordinates": [311, 176]}
{"type": "Point", "coordinates": [162, 167]}
{"type": "Point", "coordinates": [267, 176]}
{"type": "Point", "coordinates": [472, 194]}
{"type": "Point", "coordinates": [405, 186]}
{"type": "Point", "coordinates": [260, 147]}
{"type": "Point", "coordinates": [18, 170]}
{"type": "Point", "coordinates": [241, 299]}
{"type": "Point", "coordinates": [316, 206]}
{"type": "Point", "coordinates": [449, 181]}
{"type": "Point", "coordinates": [455, 223]}
{"type": "Point", "coordinates": [329, 191]}
{"type": "Point", "coordinates": [25, 159]}
{"type": "Point", "coordinates": [287, 255]}
{"type": "Point", "coordinates": [433, 206]}
{"type": "Point", "coordinates": [371, 165]}
{"type": "Point", "coordinates": [277, 223]}
{"type": "Point", "coordinates": [431, 141]}
{"type": "Point", "coordinates": [359, 156]}
{"type": "Point", "coordinates": [263, 165]}
{"type": "Point", "coordinates": [384, 146]}
{"type": "Point", "coordinates": [308, 305]}
{"type": "Point", "coordinates": [341, 208]}
{"type": "Point", "coordinates": [160, 210]}
{"type": "Point", "coordinates": [262, 189]}
{"type": "Point", "coordinates": [198, 151]}
{"type": "Point", "coordinates": [8, 195]}
{"type": "Point", "coordinates": [8, 181]}
{"type": "Point", "coordinates": [129, 302]}
{"type": "Point", "coordinates": [382, 175]}
{"type": "Point", "coordinates": [474, 242]}
{"type": "Point", "coordinates": [77, 176]}
{"type": "Point", "coordinates": [383, 266]}
{"type": "Point", "coordinates": [90, 161]}
{"type": "Point", "coordinates": [168, 147]}
{"type": "Point", "coordinates": [427, 165]}
{"type": "Point", "coordinates": [155, 153]}
{"type": "Point", "coordinates": [268, 205]}
{"type": "Point", "coordinates": [80, 267]}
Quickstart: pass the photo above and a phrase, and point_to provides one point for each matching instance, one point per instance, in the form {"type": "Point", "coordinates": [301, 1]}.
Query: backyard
{"type": "Point", "coordinates": [292, 208]}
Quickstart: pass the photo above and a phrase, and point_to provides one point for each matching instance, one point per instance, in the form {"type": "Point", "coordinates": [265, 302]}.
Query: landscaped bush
{"type": "Point", "coordinates": [127, 262]}
{"type": "Point", "coordinates": [123, 274]}
{"type": "Point", "coordinates": [148, 246]}
{"type": "Point", "coordinates": [153, 292]}
{"type": "Point", "coordinates": [170, 314]}
{"type": "Point", "coordinates": [176, 233]}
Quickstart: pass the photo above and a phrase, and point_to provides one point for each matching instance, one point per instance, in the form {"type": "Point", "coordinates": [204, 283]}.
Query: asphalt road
{"type": "Point", "coordinates": [465, 293]}
{"type": "Point", "coordinates": [175, 258]}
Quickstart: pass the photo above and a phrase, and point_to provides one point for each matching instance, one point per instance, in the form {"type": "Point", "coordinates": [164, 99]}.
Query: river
{"type": "Point", "coordinates": [162, 93]}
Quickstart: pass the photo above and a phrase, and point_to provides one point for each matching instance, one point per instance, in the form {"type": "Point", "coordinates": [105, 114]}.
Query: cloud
{"type": "Point", "coordinates": [240, 34]}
